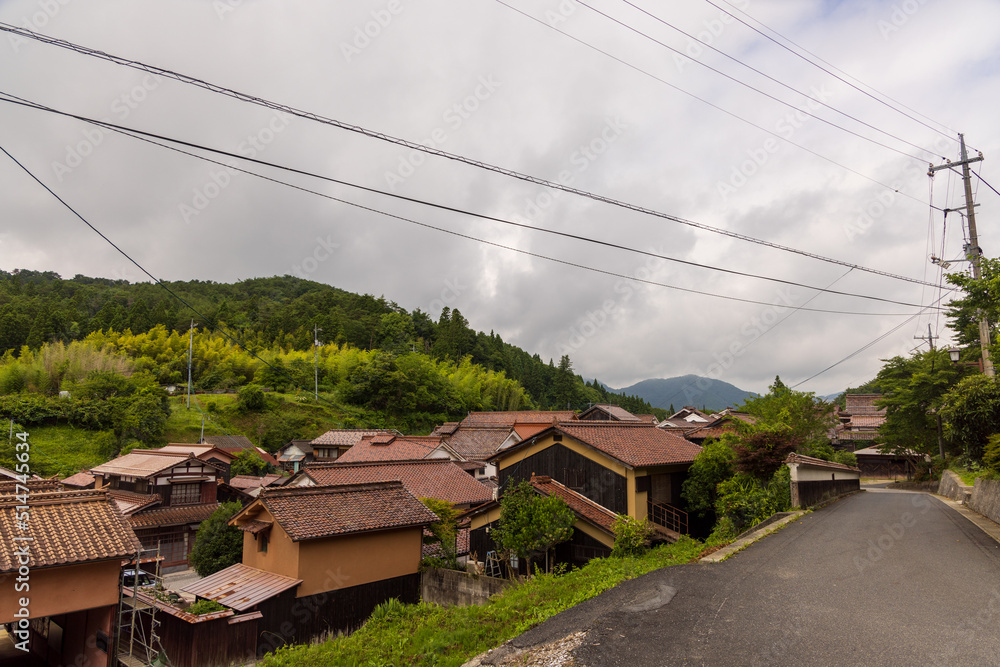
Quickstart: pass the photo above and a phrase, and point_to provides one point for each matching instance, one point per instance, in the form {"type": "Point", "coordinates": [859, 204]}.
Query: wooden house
{"type": "Point", "coordinates": [61, 587]}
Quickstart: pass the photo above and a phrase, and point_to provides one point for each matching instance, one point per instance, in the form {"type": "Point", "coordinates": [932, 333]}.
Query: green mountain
{"type": "Point", "coordinates": [690, 390]}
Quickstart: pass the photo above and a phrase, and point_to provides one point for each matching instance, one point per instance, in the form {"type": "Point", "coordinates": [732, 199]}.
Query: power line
{"type": "Point", "coordinates": [134, 132]}
{"type": "Point", "coordinates": [868, 345]}
{"type": "Point", "coordinates": [706, 102]}
{"type": "Point", "coordinates": [156, 280]}
{"type": "Point", "coordinates": [754, 88]}
{"type": "Point", "coordinates": [836, 76]}
{"type": "Point", "coordinates": [458, 158]}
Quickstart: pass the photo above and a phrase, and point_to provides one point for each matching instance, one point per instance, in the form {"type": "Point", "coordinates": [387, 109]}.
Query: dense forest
{"type": "Point", "coordinates": [55, 333]}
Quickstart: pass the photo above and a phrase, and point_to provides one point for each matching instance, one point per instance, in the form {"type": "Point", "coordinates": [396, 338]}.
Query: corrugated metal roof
{"type": "Point", "coordinates": [241, 587]}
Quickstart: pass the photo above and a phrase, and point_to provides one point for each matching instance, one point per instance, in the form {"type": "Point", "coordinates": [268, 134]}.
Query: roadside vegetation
{"type": "Point", "coordinates": [425, 634]}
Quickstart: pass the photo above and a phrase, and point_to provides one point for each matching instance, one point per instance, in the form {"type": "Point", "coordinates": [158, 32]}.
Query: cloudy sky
{"type": "Point", "coordinates": [598, 96]}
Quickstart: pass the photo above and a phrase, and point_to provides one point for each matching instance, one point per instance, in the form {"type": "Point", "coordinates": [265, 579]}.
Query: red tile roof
{"type": "Point", "coordinates": [347, 437]}
{"type": "Point", "coordinates": [130, 503]}
{"type": "Point", "coordinates": [599, 516]}
{"type": "Point", "coordinates": [172, 516]}
{"type": "Point", "coordinates": [80, 480]}
{"type": "Point", "coordinates": [477, 443]}
{"type": "Point", "coordinates": [634, 444]}
{"type": "Point", "coordinates": [241, 587]}
{"type": "Point", "coordinates": [427, 478]}
{"type": "Point", "coordinates": [512, 417]}
{"type": "Point", "coordinates": [313, 512]}
{"type": "Point", "coordinates": [253, 482]}
{"type": "Point", "coordinates": [66, 528]}
{"type": "Point", "coordinates": [863, 404]}
{"type": "Point", "coordinates": [613, 412]}
{"type": "Point", "coordinates": [401, 448]}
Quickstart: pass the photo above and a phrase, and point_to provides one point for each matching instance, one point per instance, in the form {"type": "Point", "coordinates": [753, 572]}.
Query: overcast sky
{"type": "Point", "coordinates": [559, 92]}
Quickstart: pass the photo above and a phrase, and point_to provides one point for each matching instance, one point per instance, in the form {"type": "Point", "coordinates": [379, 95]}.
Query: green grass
{"type": "Point", "coordinates": [426, 634]}
{"type": "Point", "coordinates": [63, 450]}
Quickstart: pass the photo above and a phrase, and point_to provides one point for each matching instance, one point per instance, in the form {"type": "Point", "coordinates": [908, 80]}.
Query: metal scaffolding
{"type": "Point", "coordinates": [137, 642]}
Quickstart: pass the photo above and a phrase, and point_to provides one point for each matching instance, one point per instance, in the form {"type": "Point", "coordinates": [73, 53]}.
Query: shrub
{"type": "Point", "coordinates": [713, 464]}
{"type": "Point", "coordinates": [217, 545]}
{"type": "Point", "coordinates": [205, 607]}
{"type": "Point", "coordinates": [632, 536]}
{"type": "Point", "coordinates": [250, 399]}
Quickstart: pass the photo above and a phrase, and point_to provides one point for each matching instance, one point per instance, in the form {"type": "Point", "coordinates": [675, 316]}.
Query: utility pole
{"type": "Point", "coordinates": [930, 337]}
{"type": "Point", "coordinates": [316, 331]}
{"type": "Point", "coordinates": [973, 252]}
{"type": "Point", "coordinates": [190, 354]}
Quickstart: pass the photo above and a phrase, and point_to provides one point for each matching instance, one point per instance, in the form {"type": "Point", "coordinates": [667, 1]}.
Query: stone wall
{"type": "Point", "coordinates": [951, 486]}
{"type": "Point", "coordinates": [986, 498]}
{"type": "Point", "coordinates": [451, 588]}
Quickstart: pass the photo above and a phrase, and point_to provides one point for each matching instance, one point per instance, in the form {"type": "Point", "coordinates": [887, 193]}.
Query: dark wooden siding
{"type": "Point", "coordinates": [603, 486]}
{"type": "Point", "coordinates": [291, 620]}
{"type": "Point", "coordinates": [812, 493]}
{"type": "Point", "coordinates": [580, 549]}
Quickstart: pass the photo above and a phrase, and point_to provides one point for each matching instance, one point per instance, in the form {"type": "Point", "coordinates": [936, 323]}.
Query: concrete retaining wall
{"type": "Point", "coordinates": [986, 498]}
{"type": "Point", "coordinates": [951, 486]}
{"type": "Point", "coordinates": [807, 494]}
{"type": "Point", "coordinates": [451, 588]}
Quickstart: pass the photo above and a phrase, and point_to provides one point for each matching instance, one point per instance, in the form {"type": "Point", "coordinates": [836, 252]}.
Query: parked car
{"type": "Point", "coordinates": [132, 579]}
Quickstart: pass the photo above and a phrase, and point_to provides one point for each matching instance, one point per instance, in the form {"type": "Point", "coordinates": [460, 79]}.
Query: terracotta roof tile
{"type": "Point", "coordinates": [614, 412]}
{"type": "Point", "coordinates": [253, 482]}
{"type": "Point", "coordinates": [595, 514]}
{"type": "Point", "coordinates": [172, 516]}
{"type": "Point", "coordinates": [401, 448]}
{"type": "Point", "coordinates": [80, 479]}
{"type": "Point", "coordinates": [478, 442]}
{"type": "Point", "coordinates": [313, 512]}
{"type": "Point", "coordinates": [34, 486]}
{"type": "Point", "coordinates": [130, 503]}
{"type": "Point", "coordinates": [512, 417]}
{"type": "Point", "coordinates": [67, 527]}
{"type": "Point", "coordinates": [634, 444]}
{"type": "Point", "coordinates": [241, 587]}
{"type": "Point", "coordinates": [427, 478]}
{"type": "Point", "coordinates": [347, 436]}
{"type": "Point", "coordinates": [863, 404]}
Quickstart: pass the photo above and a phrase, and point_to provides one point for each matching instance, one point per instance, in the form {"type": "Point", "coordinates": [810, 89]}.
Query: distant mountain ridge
{"type": "Point", "coordinates": [691, 390]}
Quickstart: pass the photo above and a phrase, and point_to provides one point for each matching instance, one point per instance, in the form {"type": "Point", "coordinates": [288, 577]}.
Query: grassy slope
{"type": "Point", "coordinates": [426, 634]}
{"type": "Point", "coordinates": [62, 450]}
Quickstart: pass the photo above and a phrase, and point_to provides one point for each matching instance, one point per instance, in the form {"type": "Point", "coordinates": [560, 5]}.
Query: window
{"type": "Point", "coordinates": [262, 542]}
{"type": "Point", "coordinates": [185, 494]}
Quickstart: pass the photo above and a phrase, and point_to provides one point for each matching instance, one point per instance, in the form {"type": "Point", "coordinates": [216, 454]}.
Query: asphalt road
{"type": "Point", "coordinates": [879, 578]}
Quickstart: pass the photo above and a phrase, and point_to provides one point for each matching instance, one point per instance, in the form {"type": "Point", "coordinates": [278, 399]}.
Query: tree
{"type": "Point", "coordinates": [807, 418]}
{"type": "Point", "coordinates": [715, 463]}
{"type": "Point", "coordinates": [531, 524]}
{"type": "Point", "coordinates": [972, 411]}
{"type": "Point", "coordinates": [251, 399]}
{"type": "Point", "coordinates": [763, 450]}
{"type": "Point", "coordinates": [248, 462]}
{"type": "Point", "coordinates": [217, 545]}
{"type": "Point", "coordinates": [982, 298]}
{"type": "Point", "coordinates": [443, 533]}
{"type": "Point", "coordinates": [913, 391]}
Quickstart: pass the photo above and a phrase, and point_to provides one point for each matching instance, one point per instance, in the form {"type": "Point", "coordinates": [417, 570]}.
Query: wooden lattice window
{"type": "Point", "coordinates": [185, 494]}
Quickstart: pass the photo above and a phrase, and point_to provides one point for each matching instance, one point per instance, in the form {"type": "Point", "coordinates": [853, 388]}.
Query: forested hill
{"type": "Point", "coordinates": [269, 314]}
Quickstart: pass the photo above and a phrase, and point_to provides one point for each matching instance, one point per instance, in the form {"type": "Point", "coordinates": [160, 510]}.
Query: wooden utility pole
{"type": "Point", "coordinates": [973, 252]}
